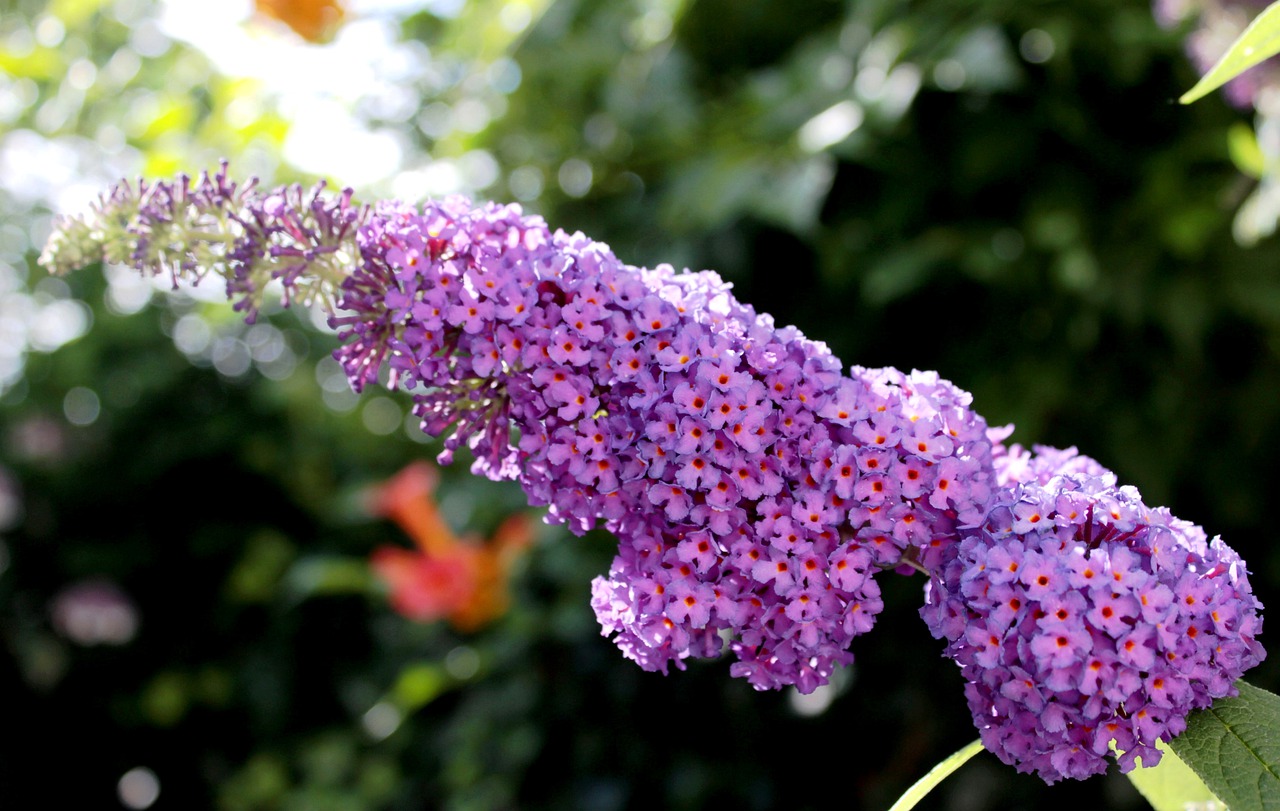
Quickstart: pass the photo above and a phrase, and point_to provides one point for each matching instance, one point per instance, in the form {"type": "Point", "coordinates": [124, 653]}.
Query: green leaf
{"type": "Point", "coordinates": [40, 63]}
{"type": "Point", "coordinates": [1258, 42]}
{"type": "Point", "coordinates": [1234, 746]}
{"type": "Point", "coordinates": [75, 12]}
{"type": "Point", "coordinates": [324, 575]}
{"type": "Point", "coordinates": [1242, 146]}
{"type": "Point", "coordinates": [419, 684]}
{"type": "Point", "coordinates": [935, 776]}
{"type": "Point", "coordinates": [266, 558]}
{"type": "Point", "coordinates": [1170, 785]}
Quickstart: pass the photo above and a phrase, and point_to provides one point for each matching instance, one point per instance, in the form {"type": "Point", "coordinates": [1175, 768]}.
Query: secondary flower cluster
{"type": "Point", "coordinates": [755, 489]}
{"type": "Point", "coordinates": [1081, 617]}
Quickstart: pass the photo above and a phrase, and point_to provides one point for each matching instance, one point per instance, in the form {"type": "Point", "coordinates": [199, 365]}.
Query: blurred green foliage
{"type": "Point", "coordinates": [1003, 191]}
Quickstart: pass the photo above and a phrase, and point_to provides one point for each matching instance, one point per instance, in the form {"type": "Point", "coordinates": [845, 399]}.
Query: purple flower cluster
{"type": "Point", "coordinates": [753, 488]}
{"type": "Point", "coordinates": [1081, 617]}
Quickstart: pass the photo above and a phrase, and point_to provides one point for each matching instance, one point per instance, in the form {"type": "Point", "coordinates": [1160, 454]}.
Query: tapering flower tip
{"type": "Point", "coordinates": [100, 234]}
{"type": "Point", "coordinates": [1081, 617]}
{"type": "Point", "coordinates": [753, 486]}
{"type": "Point", "coordinates": [305, 242]}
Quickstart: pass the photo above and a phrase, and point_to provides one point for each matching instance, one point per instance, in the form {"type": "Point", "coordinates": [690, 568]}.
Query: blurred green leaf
{"type": "Point", "coordinates": [328, 759]}
{"type": "Point", "coordinates": [259, 784]}
{"type": "Point", "coordinates": [1260, 41]}
{"type": "Point", "coordinates": [323, 575]}
{"type": "Point", "coordinates": [166, 698]}
{"type": "Point", "coordinates": [75, 12]}
{"type": "Point", "coordinates": [40, 63]}
{"type": "Point", "coordinates": [726, 185]}
{"type": "Point", "coordinates": [1242, 145]}
{"type": "Point", "coordinates": [266, 559]}
{"type": "Point", "coordinates": [378, 779]}
{"type": "Point", "coordinates": [213, 686]}
{"type": "Point", "coordinates": [1234, 746]}
{"type": "Point", "coordinates": [419, 684]}
{"type": "Point", "coordinates": [174, 113]}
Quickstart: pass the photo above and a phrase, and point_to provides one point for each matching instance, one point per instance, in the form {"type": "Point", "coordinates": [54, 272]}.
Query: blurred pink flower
{"type": "Point", "coordinates": [95, 612]}
{"type": "Point", "coordinates": [462, 580]}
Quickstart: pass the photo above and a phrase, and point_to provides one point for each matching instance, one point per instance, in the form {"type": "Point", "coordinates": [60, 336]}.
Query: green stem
{"type": "Point", "coordinates": [908, 559]}
{"type": "Point", "coordinates": [935, 776]}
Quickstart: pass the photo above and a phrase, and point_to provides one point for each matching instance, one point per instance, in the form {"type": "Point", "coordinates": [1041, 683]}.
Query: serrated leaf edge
{"type": "Point", "coordinates": [1213, 783]}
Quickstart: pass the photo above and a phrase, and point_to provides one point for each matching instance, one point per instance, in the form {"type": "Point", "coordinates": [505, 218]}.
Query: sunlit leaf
{"type": "Point", "coordinates": [1234, 746]}
{"type": "Point", "coordinates": [935, 776]}
{"type": "Point", "coordinates": [174, 114]}
{"type": "Point", "coordinates": [1242, 145]}
{"type": "Point", "coordinates": [1170, 785]}
{"type": "Point", "coordinates": [40, 63]}
{"type": "Point", "coordinates": [1261, 40]}
{"type": "Point", "coordinates": [419, 684]}
{"type": "Point", "coordinates": [75, 12]}
{"type": "Point", "coordinates": [488, 29]}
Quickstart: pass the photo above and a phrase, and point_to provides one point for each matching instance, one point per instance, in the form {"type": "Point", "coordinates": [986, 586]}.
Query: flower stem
{"type": "Point", "coordinates": [908, 559]}
{"type": "Point", "coordinates": [935, 776]}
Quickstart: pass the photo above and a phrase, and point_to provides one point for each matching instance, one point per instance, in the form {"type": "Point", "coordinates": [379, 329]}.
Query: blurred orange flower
{"type": "Point", "coordinates": [462, 580]}
{"type": "Point", "coordinates": [313, 20]}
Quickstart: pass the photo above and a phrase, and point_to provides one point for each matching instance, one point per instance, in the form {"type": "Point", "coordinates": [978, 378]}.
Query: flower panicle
{"type": "Point", "coordinates": [304, 240]}
{"type": "Point", "coordinates": [758, 489]}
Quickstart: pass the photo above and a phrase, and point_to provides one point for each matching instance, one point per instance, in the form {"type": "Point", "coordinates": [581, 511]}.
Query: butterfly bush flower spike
{"type": "Point", "coordinates": [757, 489]}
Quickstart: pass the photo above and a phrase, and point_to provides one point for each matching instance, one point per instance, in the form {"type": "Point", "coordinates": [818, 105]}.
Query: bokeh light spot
{"type": "Point", "coordinates": [381, 415]}
{"type": "Point", "coordinates": [575, 177]}
{"type": "Point", "coordinates": [138, 788]}
{"type": "Point", "coordinates": [1036, 46]}
{"type": "Point", "coordinates": [381, 720]}
{"type": "Point", "coordinates": [462, 662]}
{"type": "Point", "coordinates": [82, 406]}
